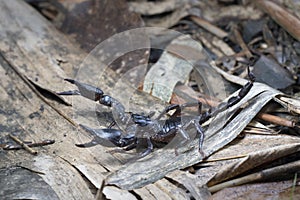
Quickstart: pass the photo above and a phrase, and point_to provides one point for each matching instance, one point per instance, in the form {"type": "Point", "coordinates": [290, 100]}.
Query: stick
{"type": "Point", "coordinates": [276, 120]}
{"type": "Point", "coordinates": [209, 27]}
{"type": "Point", "coordinates": [18, 147]}
{"type": "Point", "coordinates": [284, 18]}
{"type": "Point", "coordinates": [25, 146]}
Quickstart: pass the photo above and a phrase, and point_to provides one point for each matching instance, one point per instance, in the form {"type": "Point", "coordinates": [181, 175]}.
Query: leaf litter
{"type": "Point", "coordinates": [222, 133]}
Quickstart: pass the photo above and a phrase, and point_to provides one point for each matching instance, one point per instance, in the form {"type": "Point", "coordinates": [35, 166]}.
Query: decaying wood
{"type": "Point", "coordinates": [256, 159]}
{"type": "Point", "coordinates": [28, 184]}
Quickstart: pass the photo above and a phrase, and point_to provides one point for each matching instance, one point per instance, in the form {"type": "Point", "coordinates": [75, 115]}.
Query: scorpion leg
{"type": "Point", "coordinates": [201, 137]}
{"type": "Point", "coordinates": [142, 154]}
{"type": "Point", "coordinates": [167, 109]}
{"type": "Point", "coordinates": [112, 124]}
{"type": "Point", "coordinates": [130, 147]}
{"type": "Point", "coordinates": [200, 132]}
{"type": "Point", "coordinates": [178, 108]}
{"type": "Point", "coordinates": [231, 102]}
{"type": "Point", "coordinates": [185, 136]}
{"type": "Point", "coordinates": [123, 150]}
{"type": "Point", "coordinates": [244, 91]}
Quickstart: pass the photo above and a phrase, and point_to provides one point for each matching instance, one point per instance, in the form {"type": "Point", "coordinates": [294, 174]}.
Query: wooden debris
{"type": "Point", "coordinates": [25, 146]}
{"type": "Point", "coordinates": [270, 173]}
{"type": "Point", "coordinates": [284, 18]}
{"type": "Point", "coordinates": [31, 144]}
{"type": "Point", "coordinates": [276, 120]}
{"type": "Point", "coordinates": [210, 27]}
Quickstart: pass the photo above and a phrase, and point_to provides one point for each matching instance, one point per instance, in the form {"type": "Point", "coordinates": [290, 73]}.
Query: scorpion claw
{"type": "Point", "coordinates": [92, 143]}
{"type": "Point", "coordinates": [70, 92]}
{"type": "Point", "coordinates": [85, 90]}
{"type": "Point", "coordinates": [108, 135]}
{"type": "Point", "coordinates": [144, 153]}
{"type": "Point", "coordinates": [92, 93]}
{"type": "Point", "coordinates": [103, 136]}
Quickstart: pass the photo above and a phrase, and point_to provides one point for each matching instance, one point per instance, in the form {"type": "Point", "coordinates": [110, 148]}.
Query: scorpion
{"type": "Point", "coordinates": [143, 127]}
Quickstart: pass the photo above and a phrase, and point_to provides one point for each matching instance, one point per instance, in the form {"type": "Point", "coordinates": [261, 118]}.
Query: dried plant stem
{"type": "Point", "coordinates": [276, 120]}
{"type": "Point", "coordinates": [209, 27]}
{"type": "Point", "coordinates": [25, 146]}
{"type": "Point", "coordinates": [267, 173]}
{"type": "Point", "coordinates": [284, 18]}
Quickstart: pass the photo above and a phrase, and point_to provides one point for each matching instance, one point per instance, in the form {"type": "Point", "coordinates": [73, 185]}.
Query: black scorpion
{"type": "Point", "coordinates": [143, 127]}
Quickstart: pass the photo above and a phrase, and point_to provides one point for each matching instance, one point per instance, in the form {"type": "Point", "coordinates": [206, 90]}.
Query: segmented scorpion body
{"type": "Point", "coordinates": [144, 127]}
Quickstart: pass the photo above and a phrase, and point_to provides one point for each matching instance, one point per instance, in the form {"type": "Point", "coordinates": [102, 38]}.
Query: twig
{"type": "Point", "coordinates": [209, 27]}
{"type": "Point", "coordinates": [239, 39]}
{"type": "Point", "coordinates": [294, 186]}
{"type": "Point", "coordinates": [25, 146]}
{"type": "Point", "coordinates": [37, 144]}
{"type": "Point", "coordinates": [276, 120]}
{"type": "Point", "coordinates": [267, 173]}
{"type": "Point", "coordinates": [99, 194]}
{"type": "Point", "coordinates": [284, 18]}
{"type": "Point", "coordinates": [224, 158]}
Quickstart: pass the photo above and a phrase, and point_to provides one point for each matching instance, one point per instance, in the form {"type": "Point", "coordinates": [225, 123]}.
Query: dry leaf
{"type": "Point", "coordinates": [174, 66]}
{"type": "Point", "coordinates": [155, 8]}
{"type": "Point", "coordinates": [260, 191]}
